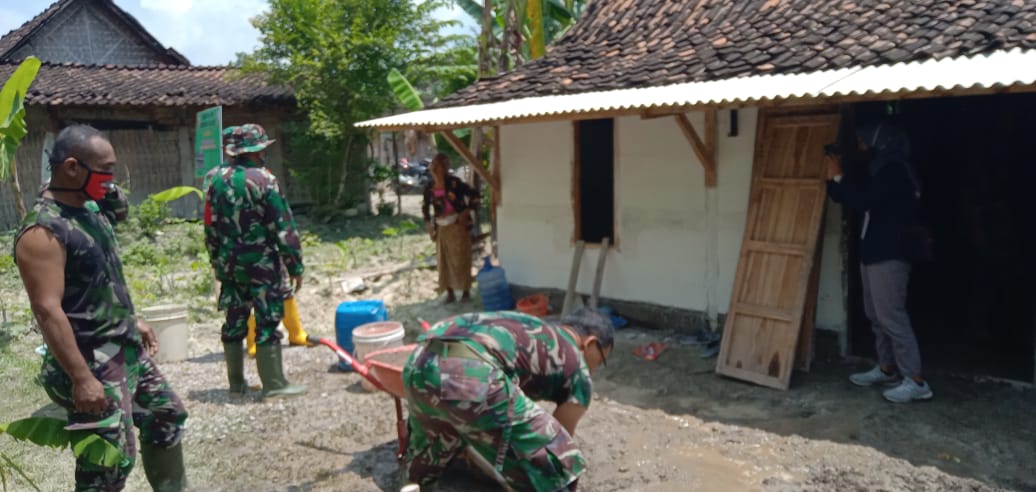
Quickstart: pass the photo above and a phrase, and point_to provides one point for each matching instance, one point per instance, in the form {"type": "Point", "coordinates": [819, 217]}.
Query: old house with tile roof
{"type": "Point", "coordinates": [101, 67]}
{"type": "Point", "coordinates": [691, 133]}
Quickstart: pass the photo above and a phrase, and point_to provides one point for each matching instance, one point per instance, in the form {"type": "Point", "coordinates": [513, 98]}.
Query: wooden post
{"type": "Point", "coordinates": [599, 274]}
{"type": "Point", "coordinates": [497, 194]}
{"type": "Point", "coordinates": [704, 150]}
{"type": "Point", "coordinates": [710, 145]}
{"type": "Point", "coordinates": [471, 160]}
{"type": "Point", "coordinates": [573, 277]}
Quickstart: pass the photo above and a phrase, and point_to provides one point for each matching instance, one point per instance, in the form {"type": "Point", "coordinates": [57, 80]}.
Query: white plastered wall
{"type": "Point", "coordinates": [678, 242]}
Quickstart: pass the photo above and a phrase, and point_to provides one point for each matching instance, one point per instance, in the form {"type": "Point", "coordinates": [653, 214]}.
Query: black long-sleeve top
{"type": "Point", "coordinates": [891, 201]}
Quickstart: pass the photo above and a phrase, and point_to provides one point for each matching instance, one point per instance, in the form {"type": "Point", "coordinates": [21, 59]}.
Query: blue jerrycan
{"type": "Point", "coordinates": [493, 288]}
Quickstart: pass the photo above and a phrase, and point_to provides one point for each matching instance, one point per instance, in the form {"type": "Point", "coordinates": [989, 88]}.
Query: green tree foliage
{"type": "Point", "coordinates": [336, 54]}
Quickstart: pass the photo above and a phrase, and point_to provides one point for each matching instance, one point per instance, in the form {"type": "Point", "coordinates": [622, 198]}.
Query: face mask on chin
{"type": "Point", "coordinates": [97, 183]}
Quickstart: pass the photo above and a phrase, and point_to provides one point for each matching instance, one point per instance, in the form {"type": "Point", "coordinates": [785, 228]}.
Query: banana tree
{"type": "Point", "coordinates": [12, 124]}
{"type": "Point", "coordinates": [537, 22]}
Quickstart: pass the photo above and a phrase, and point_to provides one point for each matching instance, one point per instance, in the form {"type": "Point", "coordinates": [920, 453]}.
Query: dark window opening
{"type": "Point", "coordinates": [595, 180]}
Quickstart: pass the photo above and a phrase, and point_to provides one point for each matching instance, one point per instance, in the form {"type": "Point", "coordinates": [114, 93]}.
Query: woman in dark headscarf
{"type": "Point", "coordinates": [887, 193]}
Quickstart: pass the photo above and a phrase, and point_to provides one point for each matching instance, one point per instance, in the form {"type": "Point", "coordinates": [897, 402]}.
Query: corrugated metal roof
{"type": "Point", "coordinates": [982, 73]}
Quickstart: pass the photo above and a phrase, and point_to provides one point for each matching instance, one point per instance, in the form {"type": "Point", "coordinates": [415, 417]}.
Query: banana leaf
{"type": "Point", "coordinates": [176, 193]}
{"type": "Point", "coordinates": [12, 123]}
{"type": "Point", "coordinates": [405, 92]}
{"type": "Point", "coordinates": [52, 432]}
{"type": "Point", "coordinates": [470, 7]}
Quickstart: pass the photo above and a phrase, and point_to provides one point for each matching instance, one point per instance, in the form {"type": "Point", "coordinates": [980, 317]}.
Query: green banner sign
{"type": "Point", "coordinates": [208, 140]}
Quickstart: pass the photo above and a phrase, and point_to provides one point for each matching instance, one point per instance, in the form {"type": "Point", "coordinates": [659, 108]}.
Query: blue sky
{"type": "Point", "coordinates": [208, 32]}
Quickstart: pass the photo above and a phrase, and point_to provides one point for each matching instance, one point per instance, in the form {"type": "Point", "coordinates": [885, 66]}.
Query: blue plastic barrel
{"type": "Point", "coordinates": [351, 314]}
{"type": "Point", "coordinates": [493, 288]}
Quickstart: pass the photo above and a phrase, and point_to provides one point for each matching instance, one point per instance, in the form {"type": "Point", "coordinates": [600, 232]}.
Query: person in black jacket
{"type": "Point", "coordinates": [886, 191]}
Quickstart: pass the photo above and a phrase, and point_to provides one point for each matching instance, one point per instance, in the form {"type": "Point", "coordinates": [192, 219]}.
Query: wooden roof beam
{"type": "Point", "coordinates": [705, 150]}
{"type": "Point", "coordinates": [474, 162]}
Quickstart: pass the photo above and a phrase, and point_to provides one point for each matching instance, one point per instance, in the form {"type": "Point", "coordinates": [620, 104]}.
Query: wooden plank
{"type": "Point", "coordinates": [599, 273]}
{"type": "Point", "coordinates": [711, 145]}
{"type": "Point", "coordinates": [779, 250]}
{"type": "Point", "coordinates": [765, 312]}
{"type": "Point", "coordinates": [805, 351]}
{"type": "Point", "coordinates": [494, 164]}
{"type": "Point", "coordinates": [704, 150]}
{"type": "Point", "coordinates": [573, 277]}
{"type": "Point", "coordinates": [775, 248]}
{"type": "Point", "coordinates": [803, 182]}
{"type": "Point", "coordinates": [473, 162]}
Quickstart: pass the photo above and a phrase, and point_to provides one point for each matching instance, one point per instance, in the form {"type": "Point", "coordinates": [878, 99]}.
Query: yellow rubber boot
{"type": "Point", "coordinates": [250, 338]}
{"type": "Point", "coordinates": [292, 323]}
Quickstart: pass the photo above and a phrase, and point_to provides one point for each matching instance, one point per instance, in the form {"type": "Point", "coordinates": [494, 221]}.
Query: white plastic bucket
{"type": "Point", "coordinates": [169, 321]}
{"type": "Point", "coordinates": [375, 336]}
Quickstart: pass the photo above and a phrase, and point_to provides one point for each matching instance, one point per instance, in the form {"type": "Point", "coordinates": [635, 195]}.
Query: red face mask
{"type": "Point", "coordinates": [97, 183]}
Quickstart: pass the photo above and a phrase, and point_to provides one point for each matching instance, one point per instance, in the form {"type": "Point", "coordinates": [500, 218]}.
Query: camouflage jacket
{"type": "Point", "coordinates": [96, 299]}
{"type": "Point", "coordinates": [543, 358]}
{"type": "Point", "coordinates": [248, 223]}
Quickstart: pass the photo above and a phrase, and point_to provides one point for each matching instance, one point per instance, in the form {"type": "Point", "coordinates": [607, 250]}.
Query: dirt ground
{"type": "Point", "coordinates": [666, 425]}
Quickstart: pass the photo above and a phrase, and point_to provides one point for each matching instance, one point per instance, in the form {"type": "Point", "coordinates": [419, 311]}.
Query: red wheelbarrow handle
{"type": "Point", "coordinates": [360, 368]}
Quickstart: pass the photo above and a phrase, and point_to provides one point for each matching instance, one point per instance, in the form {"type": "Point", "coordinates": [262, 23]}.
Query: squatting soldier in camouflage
{"type": "Point", "coordinates": [251, 236]}
{"type": "Point", "coordinates": [98, 366]}
{"type": "Point", "coordinates": [472, 382]}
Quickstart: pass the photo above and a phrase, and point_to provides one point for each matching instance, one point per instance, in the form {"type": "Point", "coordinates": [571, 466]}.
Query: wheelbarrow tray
{"type": "Point", "coordinates": [386, 366]}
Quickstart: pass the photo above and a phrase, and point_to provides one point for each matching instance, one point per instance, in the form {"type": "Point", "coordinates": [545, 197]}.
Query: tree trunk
{"type": "Point", "coordinates": [505, 35]}
{"type": "Point", "coordinates": [485, 41]}
{"type": "Point", "coordinates": [340, 196]}
{"type": "Point", "coordinates": [16, 188]}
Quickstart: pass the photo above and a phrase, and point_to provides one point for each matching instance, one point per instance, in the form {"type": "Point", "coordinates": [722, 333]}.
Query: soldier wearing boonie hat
{"type": "Point", "coordinates": [472, 383]}
{"type": "Point", "coordinates": [252, 239]}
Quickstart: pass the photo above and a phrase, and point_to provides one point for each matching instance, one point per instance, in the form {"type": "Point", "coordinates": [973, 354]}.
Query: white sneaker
{"type": "Point", "coordinates": [908, 391]}
{"type": "Point", "coordinates": [873, 376]}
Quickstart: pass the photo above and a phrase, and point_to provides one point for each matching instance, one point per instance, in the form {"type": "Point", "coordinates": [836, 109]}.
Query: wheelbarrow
{"type": "Point", "coordinates": [384, 370]}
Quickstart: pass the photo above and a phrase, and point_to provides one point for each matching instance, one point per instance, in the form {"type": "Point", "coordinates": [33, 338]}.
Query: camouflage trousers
{"type": "Point", "coordinates": [137, 391]}
{"type": "Point", "coordinates": [257, 288]}
{"type": "Point", "coordinates": [457, 402]}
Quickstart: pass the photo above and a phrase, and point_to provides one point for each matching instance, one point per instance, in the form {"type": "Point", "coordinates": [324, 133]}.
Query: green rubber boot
{"type": "Point", "coordinates": [234, 354]}
{"type": "Point", "coordinates": [164, 468]}
{"type": "Point", "coordinates": [271, 372]}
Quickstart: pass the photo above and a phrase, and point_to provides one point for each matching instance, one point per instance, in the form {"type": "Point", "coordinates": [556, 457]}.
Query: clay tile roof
{"type": "Point", "coordinates": [13, 39]}
{"type": "Point", "coordinates": [620, 44]}
{"type": "Point", "coordinates": [156, 85]}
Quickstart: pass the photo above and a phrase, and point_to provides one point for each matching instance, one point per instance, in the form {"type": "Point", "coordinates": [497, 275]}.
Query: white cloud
{"type": "Point", "coordinates": [175, 7]}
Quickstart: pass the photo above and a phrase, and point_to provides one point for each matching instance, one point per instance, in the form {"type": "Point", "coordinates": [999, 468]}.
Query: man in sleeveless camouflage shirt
{"type": "Point", "coordinates": [98, 365]}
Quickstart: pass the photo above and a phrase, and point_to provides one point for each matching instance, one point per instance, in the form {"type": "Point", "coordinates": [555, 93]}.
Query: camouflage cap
{"type": "Point", "coordinates": [246, 138]}
{"type": "Point", "coordinates": [229, 137]}
{"type": "Point", "coordinates": [590, 322]}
